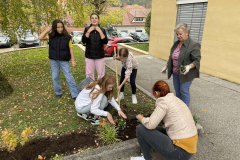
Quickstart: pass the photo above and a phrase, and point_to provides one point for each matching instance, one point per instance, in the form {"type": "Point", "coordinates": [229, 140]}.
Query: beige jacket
{"type": "Point", "coordinates": [177, 118]}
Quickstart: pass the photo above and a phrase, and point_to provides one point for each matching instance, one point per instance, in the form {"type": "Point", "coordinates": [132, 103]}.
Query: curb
{"type": "Point", "coordinates": [133, 48]}
{"type": "Point", "coordinates": [21, 49]}
{"type": "Point", "coordinates": [111, 152]}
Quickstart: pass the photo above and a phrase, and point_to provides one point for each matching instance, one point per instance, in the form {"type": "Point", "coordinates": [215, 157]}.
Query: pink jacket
{"type": "Point", "coordinates": [130, 64]}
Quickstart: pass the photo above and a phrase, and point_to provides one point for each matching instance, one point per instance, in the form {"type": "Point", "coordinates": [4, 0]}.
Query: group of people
{"type": "Point", "coordinates": [178, 138]}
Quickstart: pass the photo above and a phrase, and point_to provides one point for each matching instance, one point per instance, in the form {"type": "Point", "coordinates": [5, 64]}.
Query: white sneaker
{"type": "Point", "coordinates": [138, 158]}
{"type": "Point", "coordinates": [134, 99]}
{"type": "Point", "coordinates": [121, 96]}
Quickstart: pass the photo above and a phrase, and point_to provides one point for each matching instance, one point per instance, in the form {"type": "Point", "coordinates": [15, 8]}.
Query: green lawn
{"type": "Point", "coordinates": [142, 46]}
{"type": "Point", "coordinates": [33, 102]}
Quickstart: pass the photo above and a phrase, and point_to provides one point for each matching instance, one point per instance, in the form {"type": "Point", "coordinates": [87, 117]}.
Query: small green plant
{"type": "Point", "coordinates": [195, 119]}
{"type": "Point", "coordinates": [10, 140]}
{"type": "Point", "coordinates": [122, 124]}
{"type": "Point", "coordinates": [182, 68]}
{"type": "Point", "coordinates": [57, 157]}
{"type": "Point", "coordinates": [108, 133]}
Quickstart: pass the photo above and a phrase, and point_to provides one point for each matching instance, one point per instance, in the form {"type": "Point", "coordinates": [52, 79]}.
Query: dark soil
{"type": "Point", "coordinates": [66, 144]}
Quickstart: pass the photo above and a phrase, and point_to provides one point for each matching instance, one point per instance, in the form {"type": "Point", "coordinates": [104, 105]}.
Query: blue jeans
{"type": "Point", "coordinates": [55, 71]}
{"type": "Point", "coordinates": [182, 89]}
{"type": "Point", "coordinates": [86, 109]}
{"type": "Point", "coordinates": [160, 142]}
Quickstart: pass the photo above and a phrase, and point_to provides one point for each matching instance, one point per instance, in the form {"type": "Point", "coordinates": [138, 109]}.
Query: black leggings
{"type": "Point", "coordinates": [132, 79]}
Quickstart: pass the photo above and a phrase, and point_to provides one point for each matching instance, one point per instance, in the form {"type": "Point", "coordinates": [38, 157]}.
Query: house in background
{"type": "Point", "coordinates": [134, 19]}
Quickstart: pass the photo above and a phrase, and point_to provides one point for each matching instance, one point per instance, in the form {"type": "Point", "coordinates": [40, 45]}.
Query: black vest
{"type": "Point", "coordinates": [94, 45]}
{"type": "Point", "coordinates": [59, 47]}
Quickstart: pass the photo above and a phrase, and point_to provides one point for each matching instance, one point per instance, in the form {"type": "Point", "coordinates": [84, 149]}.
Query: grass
{"type": "Point", "coordinates": [142, 46]}
{"type": "Point", "coordinates": [33, 102]}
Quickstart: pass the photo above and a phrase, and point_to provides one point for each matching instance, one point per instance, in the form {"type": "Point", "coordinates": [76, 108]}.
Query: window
{"type": "Point", "coordinates": [139, 19]}
{"type": "Point", "coordinates": [193, 14]}
{"type": "Point", "coordinates": [122, 41]}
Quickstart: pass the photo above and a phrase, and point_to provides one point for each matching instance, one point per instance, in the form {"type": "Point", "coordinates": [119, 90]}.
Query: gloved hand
{"type": "Point", "coordinates": [187, 69]}
{"type": "Point", "coordinates": [134, 118]}
{"type": "Point", "coordinates": [164, 70]}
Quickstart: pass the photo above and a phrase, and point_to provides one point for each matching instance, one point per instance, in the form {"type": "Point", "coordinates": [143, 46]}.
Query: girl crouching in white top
{"type": "Point", "coordinates": [95, 97]}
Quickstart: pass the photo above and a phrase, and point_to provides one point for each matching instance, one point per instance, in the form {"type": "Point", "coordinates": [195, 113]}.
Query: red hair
{"type": "Point", "coordinates": [162, 87]}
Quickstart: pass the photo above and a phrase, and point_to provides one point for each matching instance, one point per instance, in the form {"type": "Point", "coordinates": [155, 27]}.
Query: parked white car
{"type": "Point", "coordinates": [6, 41]}
{"type": "Point", "coordinates": [29, 39]}
{"type": "Point", "coordinates": [76, 36]}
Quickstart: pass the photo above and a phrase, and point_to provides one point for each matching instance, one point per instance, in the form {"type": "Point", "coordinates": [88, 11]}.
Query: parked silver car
{"type": "Point", "coordinates": [29, 39]}
{"type": "Point", "coordinates": [124, 35]}
{"type": "Point", "coordinates": [6, 41]}
{"type": "Point", "coordinates": [76, 36]}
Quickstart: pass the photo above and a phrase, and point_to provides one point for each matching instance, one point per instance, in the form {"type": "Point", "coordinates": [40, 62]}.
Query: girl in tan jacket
{"type": "Point", "coordinates": [178, 138]}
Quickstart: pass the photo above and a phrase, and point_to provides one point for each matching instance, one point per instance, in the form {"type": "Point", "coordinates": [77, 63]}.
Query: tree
{"type": "Point", "coordinates": [148, 23]}
{"type": "Point", "coordinates": [17, 16]}
{"type": "Point", "coordinates": [5, 87]}
{"type": "Point", "coordinates": [108, 15]}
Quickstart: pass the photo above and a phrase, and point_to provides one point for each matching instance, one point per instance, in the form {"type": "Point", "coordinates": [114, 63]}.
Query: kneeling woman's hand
{"type": "Point", "coordinates": [110, 119]}
{"type": "Point", "coordinates": [121, 114]}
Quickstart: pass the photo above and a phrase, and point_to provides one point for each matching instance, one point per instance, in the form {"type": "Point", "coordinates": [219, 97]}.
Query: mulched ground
{"type": "Point", "coordinates": [66, 144]}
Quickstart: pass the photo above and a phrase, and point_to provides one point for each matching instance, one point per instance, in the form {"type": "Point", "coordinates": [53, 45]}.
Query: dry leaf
{"type": "Point", "coordinates": [204, 110]}
{"type": "Point", "coordinates": [15, 106]}
{"type": "Point", "coordinates": [40, 157]}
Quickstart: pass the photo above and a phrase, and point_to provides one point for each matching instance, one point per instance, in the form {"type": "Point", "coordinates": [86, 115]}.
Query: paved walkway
{"type": "Point", "coordinates": [221, 140]}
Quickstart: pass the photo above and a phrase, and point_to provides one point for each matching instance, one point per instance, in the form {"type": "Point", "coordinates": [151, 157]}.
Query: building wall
{"type": "Point", "coordinates": [220, 43]}
{"type": "Point", "coordinates": [130, 28]}
{"type": "Point", "coordinates": [163, 20]}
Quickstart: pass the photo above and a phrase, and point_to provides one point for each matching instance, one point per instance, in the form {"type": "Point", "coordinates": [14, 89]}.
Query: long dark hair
{"type": "Point", "coordinates": [54, 29]}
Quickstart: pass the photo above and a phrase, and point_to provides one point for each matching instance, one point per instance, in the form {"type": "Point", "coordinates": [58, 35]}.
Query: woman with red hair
{"type": "Point", "coordinates": [177, 139]}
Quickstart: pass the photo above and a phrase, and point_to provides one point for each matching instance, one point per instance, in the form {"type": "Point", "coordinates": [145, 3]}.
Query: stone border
{"type": "Point", "coordinates": [119, 150]}
{"type": "Point", "coordinates": [15, 50]}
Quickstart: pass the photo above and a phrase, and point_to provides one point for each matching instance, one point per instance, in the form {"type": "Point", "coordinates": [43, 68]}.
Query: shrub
{"type": "Point", "coordinates": [10, 140]}
{"type": "Point", "coordinates": [108, 133]}
{"type": "Point", "coordinates": [148, 23]}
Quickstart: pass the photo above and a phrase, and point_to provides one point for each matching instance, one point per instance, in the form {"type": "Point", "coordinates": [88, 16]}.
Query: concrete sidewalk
{"type": "Point", "coordinates": [219, 97]}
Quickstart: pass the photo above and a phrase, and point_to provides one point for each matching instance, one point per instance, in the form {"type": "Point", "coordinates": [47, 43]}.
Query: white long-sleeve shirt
{"type": "Point", "coordinates": [83, 100]}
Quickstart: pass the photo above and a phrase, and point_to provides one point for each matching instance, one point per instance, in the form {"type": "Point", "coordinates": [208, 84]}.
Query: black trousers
{"type": "Point", "coordinates": [132, 80]}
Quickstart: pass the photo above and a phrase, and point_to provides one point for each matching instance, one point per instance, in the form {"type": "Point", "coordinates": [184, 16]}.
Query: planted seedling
{"type": "Point", "coordinates": [122, 124]}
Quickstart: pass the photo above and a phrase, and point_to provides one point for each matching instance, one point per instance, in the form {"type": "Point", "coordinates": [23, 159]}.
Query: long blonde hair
{"type": "Point", "coordinates": [103, 84]}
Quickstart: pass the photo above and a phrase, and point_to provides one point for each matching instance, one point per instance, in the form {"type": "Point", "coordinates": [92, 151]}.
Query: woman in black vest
{"type": "Point", "coordinates": [95, 37]}
{"type": "Point", "coordinates": [60, 52]}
